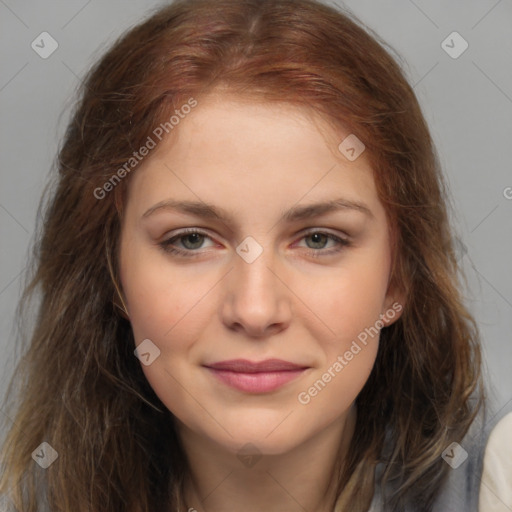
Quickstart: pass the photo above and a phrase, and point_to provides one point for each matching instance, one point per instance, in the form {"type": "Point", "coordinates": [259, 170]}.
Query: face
{"type": "Point", "coordinates": [262, 312]}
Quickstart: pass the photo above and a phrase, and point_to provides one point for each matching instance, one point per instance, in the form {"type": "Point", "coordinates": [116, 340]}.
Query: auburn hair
{"type": "Point", "coordinates": [78, 385]}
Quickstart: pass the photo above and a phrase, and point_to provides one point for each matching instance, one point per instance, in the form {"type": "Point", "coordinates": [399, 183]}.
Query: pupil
{"type": "Point", "coordinates": [317, 237]}
{"type": "Point", "coordinates": [193, 238]}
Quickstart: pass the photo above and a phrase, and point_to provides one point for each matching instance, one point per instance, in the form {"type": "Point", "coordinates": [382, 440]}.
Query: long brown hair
{"type": "Point", "coordinates": [79, 387]}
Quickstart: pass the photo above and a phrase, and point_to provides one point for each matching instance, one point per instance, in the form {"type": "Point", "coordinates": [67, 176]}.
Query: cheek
{"type": "Point", "coordinates": [335, 388]}
{"type": "Point", "coordinates": [353, 314]}
{"type": "Point", "coordinates": [351, 297]}
{"type": "Point", "coordinates": [170, 309]}
{"type": "Point", "coordinates": [161, 299]}
{"type": "Point", "coordinates": [351, 308]}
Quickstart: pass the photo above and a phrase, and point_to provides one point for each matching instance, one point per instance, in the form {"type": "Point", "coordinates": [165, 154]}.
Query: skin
{"type": "Point", "coordinates": [256, 160]}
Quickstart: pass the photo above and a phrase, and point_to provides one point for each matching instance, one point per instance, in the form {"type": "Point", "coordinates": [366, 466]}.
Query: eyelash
{"type": "Point", "coordinates": [168, 248]}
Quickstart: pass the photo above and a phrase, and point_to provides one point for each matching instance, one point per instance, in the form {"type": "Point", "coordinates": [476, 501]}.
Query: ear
{"type": "Point", "coordinates": [394, 305]}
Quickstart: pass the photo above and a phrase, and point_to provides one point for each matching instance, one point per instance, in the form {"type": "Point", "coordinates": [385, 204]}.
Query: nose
{"type": "Point", "coordinates": [257, 300]}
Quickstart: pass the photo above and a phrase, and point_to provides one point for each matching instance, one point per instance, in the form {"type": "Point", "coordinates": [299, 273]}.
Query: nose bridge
{"type": "Point", "coordinates": [256, 297]}
{"type": "Point", "coordinates": [254, 273]}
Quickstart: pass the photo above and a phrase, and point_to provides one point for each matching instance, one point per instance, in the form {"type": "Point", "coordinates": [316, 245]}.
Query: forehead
{"type": "Point", "coordinates": [242, 152]}
{"type": "Point", "coordinates": [243, 124]}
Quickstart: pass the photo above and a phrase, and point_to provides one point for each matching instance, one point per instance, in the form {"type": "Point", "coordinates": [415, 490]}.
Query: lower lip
{"type": "Point", "coordinates": [263, 382]}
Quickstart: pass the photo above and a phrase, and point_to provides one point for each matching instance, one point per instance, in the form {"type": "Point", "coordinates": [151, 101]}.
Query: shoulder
{"type": "Point", "coordinates": [480, 474]}
{"type": "Point", "coordinates": [496, 482]}
{"type": "Point", "coordinates": [478, 463]}
{"type": "Point", "coordinates": [466, 479]}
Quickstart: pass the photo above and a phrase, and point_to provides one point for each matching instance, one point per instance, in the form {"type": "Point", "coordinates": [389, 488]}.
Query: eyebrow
{"type": "Point", "coordinates": [297, 213]}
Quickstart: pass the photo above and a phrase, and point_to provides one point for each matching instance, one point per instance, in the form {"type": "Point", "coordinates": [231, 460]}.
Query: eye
{"type": "Point", "coordinates": [320, 238]}
{"type": "Point", "coordinates": [193, 239]}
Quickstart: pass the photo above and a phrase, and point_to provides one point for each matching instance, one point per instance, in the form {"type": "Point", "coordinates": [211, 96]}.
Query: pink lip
{"type": "Point", "coordinates": [256, 377]}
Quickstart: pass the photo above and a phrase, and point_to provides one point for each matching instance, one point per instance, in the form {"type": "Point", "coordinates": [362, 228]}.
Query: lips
{"type": "Point", "coordinates": [245, 366]}
{"type": "Point", "coordinates": [256, 377]}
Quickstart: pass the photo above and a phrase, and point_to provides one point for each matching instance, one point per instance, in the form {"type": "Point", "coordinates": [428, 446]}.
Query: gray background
{"type": "Point", "coordinates": [467, 102]}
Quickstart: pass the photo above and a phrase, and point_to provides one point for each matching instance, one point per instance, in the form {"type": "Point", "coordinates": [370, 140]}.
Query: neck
{"type": "Point", "coordinates": [303, 478]}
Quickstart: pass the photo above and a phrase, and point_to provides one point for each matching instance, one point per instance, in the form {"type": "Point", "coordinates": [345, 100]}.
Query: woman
{"type": "Point", "coordinates": [198, 346]}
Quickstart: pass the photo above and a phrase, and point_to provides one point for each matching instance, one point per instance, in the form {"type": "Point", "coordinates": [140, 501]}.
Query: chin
{"type": "Point", "coordinates": [250, 436]}
{"type": "Point", "coordinates": [253, 445]}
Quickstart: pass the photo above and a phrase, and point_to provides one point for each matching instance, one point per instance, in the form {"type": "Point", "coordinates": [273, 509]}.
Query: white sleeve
{"type": "Point", "coordinates": [496, 485]}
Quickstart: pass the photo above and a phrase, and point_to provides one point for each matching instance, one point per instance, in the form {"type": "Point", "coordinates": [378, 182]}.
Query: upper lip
{"type": "Point", "coordinates": [246, 366]}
